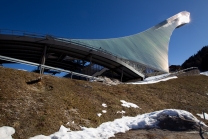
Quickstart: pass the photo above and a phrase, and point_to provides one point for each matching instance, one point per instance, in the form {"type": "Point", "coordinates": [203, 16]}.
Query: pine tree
{"type": "Point", "coordinates": [199, 60]}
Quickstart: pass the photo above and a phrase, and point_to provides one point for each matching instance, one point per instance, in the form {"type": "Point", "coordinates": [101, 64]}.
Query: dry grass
{"type": "Point", "coordinates": [41, 108]}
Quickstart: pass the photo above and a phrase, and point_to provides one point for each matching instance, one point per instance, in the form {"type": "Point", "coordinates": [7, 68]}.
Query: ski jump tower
{"type": "Point", "coordinates": [130, 57]}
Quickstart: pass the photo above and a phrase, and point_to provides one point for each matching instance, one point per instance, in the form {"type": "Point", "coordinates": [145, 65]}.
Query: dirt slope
{"type": "Point", "coordinates": [40, 108]}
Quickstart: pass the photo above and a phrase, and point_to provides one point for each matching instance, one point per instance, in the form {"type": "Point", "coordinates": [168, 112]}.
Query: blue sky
{"type": "Point", "coordinates": [93, 19]}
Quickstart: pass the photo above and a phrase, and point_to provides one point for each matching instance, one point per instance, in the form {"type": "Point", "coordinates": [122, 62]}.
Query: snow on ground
{"type": "Point", "coordinates": [6, 132]}
{"type": "Point", "coordinates": [108, 129]}
{"type": "Point", "coordinates": [202, 116]}
{"type": "Point", "coordinates": [69, 123]}
{"type": "Point", "coordinates": [123, 124]}
{"type": "Point", "coordinates": [128, 104]}
{"type": "Point", "coordinates": [159, 78]}
{"type": "Point", "coordinates": [99, 114]}
{"type": "Point", "coordinates": [104, 105]}
{"type": "Point", "coordinates": [104, 111]}
{"type": "Point", "coordinates": [204, 73]}
{"type": "Point", "coordinates": [22, 69]}
{"type": "Point", "coordinates": [155, 79]}
{"type": "Point", "coordinates": [122, 112]}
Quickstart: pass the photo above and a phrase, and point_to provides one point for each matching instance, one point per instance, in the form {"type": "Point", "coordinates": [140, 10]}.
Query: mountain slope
{"type": "Point", "coordinates": [199, 60]}
{"type": "Point", "coordinates": [34, 108]}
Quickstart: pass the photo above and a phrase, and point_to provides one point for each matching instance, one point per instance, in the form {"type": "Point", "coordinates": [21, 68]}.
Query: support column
{"type": "Point", "coordinates": [71, 75]}
{"type": "Point", "coordinates": [121, 75]}
{"type": "Point", "coordinates": [90, 60]}
{"type": "Point", "coordinates": [43, 60]}
{"type": "Point", "coordinates": [90, 65]}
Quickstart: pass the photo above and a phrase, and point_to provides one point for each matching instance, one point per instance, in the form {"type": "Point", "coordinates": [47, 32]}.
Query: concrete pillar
{"type": "Point", "coordinates": [71, 74]}
{"type": "Point", "coordinates": [90, 65]}
{"type": "Point", "coordinates": [43, 60]}
{"type": "Point", "coordinates": [121, 75]}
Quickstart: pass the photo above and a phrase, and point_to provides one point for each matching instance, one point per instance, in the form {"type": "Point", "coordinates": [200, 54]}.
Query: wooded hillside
{"type": "Point", "coordinates": [199, 60]}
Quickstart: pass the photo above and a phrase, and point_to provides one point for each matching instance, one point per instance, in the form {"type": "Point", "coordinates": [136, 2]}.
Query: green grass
{"type": "Point", "coordinates": [41, 108]}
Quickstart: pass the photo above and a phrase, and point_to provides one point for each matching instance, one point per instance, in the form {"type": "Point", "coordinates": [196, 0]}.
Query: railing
{"type": "Point", "coordinates": [21, 33]}
{"type": "Point", "coordinates": [49, 67]}
{"type": "Point", "coordinates": [175, 73]}
{"type": "Point", "coordinates": [183, 70]}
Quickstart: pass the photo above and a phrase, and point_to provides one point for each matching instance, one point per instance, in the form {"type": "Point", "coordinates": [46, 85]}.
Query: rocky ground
{"type": "Point", "coordinates": [160, 134]}
{"type": "Point", "coordinates": [174, 127]}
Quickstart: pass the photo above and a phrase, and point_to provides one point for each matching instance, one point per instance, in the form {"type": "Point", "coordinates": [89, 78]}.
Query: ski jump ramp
{"type": "Point", "coordinates": [131, 57]}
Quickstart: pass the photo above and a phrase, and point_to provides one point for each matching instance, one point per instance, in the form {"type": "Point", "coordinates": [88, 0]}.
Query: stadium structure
{"type": "Point", "coordinates": [126, 58]}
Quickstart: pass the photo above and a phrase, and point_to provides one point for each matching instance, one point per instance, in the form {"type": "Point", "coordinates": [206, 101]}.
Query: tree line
{"type": "Point", "coordinates": [200, 60]}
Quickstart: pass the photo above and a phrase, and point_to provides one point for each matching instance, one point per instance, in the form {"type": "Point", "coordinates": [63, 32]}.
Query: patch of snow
{"type": "Point", "coordinates": [64, 129]}
{"type": "Point", "coordinates": [204, 73]}
{"type": "Point", "coordinates": [104, 105]}
{"type": "Point", "coordinates": [99, 114]}
{"type": "Point", "coordinates": [6, 132]}
{"type": "Point", "coordinates": [156, 77]}
{"type": "Point", "coordinates": [69, 123]}
{"type": "Point", "coordinates": [153, 81]}
{"type": "Point", "coordinates": [22, 69]}
{"type": "Point", "coordinates": [104, 111]}
{"type": "Point", "coordinates": [122, 112]}
{"type": "Point", "coordinates": [40, 137]}
{"type": "Point", "coordinates": [128, 104]}
{"type": "Point", "coordinates": [193, 132]}
{"type": "Point", "coordinates": [202, 116]}
{"type": "Point", "coordinates": [108, 129]}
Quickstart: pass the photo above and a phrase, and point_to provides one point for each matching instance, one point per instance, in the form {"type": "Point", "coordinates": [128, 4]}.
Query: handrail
{"type": "Point", "coordinates": [183, 70]}
{"type": "Point", "coordinates": [21, 33]}
{"type": "Point", "coordinates": [48, 67]}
